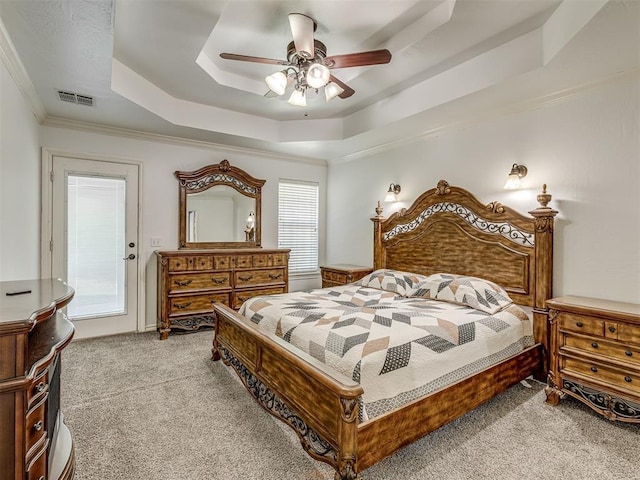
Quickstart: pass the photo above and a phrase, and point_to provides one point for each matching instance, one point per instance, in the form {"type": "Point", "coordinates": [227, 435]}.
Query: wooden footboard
{"type": "Point", "coordinates": [319, 404]}
{"type": "Point", "coordinates": [382, 436]}
{"type": "Point", "coordinates": [322, 406]}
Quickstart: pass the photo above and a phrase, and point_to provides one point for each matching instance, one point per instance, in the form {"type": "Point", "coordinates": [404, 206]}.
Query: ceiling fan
{"type": "Point", "coordinates": [308, 66]}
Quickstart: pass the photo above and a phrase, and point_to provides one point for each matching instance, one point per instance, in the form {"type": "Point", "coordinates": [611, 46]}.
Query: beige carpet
{"type": "Point", "coordinates": [142, 409]}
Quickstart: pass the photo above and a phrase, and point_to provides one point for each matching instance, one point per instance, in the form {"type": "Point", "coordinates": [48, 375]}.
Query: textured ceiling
{"type": "Point", "coordinates": [154, 66]}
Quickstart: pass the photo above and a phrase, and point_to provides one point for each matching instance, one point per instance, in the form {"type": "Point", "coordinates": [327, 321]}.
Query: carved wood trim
{"type": "Point", "coordinates": [313, 443]}
{"type": "Point", "coordinates": [612, 407]}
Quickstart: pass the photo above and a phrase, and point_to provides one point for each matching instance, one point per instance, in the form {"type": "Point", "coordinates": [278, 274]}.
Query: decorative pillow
{"type": "Point", "coordinates": [392, 281]}
{"type": "Point", "coordinates": [473, 292]}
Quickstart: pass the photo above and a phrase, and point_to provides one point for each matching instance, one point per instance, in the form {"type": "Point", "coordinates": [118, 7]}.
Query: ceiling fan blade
{"type": "Point", "coordinates": [247, 58]}
{"type": "Point", "coordinates": [374, 57]}
{"type": "Point", "coordinates": [302, 28]}
{"type": "Point", "coordinates": [348, 91]}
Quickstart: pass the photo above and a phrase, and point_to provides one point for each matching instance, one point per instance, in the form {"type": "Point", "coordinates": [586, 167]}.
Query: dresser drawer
{"type": "Point", "coordinates": [38, 388]}
{"type": "Point", "coordinates": [595, 346]}
{"type": "Point", "coordinates": [196, 303]}
{"type": "Point", "coordinates": [278, 259]}
{"type": "Point", "coordinates": [221, 263]}
{"type": "Point", "coordinates": [243, 261]}
{"type": "Point", "coordinates": [35, 423]}
{"type": "Point", "coordinates": [628, 333]}
{"type": "Point", "coordinates": [614, 377]}
{"type": "Point", "coordinates": [582, 324]}
{"type": "Point", "coordinates": [240, 297]}
{"type": "Point", "coordinates": [260, 261]}
{"type": "Point", "coordinates": [259, 277]}
{"type": "Point", "coordinates": [182, 264]}
{"type": "Point", "coordinates": [336, 277]}
{"type": "Point", "coordinates": [199, 281]}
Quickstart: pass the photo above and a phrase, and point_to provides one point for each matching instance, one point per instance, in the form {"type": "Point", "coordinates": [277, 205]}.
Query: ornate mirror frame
{"type": "Point", "coordinates": [207, 177]}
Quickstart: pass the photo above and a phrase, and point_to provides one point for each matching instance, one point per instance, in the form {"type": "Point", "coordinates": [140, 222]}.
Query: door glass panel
{"type": "Point", "coordinates": [96, 245]}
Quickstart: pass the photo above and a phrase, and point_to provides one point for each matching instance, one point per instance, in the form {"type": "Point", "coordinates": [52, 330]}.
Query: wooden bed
{"type": "Point", "coordinates": [445, 230]}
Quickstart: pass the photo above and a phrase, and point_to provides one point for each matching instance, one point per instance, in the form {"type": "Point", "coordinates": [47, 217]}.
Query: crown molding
{"type": "Point", "coordinates": [59, 122]}
{"type": "Point", "coordinates": [487, 115]}
{"type": "Point", "coordinates": [15, 67]}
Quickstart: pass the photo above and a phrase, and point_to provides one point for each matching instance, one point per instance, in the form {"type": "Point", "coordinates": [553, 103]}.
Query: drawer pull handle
{"type": "Point", "coordinates": [245, 279]}
{"type": "Point", "coordinates": [181, 306]}
{"type": "Point", "coordinates": [579, 324]}
{"type": "Point", "coordinates": [38, 425]}
{"type": "Point", "coordinates": [41, 478]}
{"type": "Point", "coordinates": [40, 387]}
{"type": "Point", "coordinates": [594, 369]}
{"type": "Point", "coordinates": [218, 280]}
{"type": "Point", "coordinates": [183, 283]}
{"type": "Point", "coordinates": [275, 277]}
{"type": "Point", "coordinates": [594, 344]}
{"type": "Point", "coordinates": [628, 353]}
{"type": "Point", "coordinates": [627, 379]}
{"type": "Point", "coordinates": [612, 329]}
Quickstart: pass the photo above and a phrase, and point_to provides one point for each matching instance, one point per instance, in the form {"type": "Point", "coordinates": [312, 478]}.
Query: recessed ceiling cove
{"type": "Point", "coordinates": [167, 59]}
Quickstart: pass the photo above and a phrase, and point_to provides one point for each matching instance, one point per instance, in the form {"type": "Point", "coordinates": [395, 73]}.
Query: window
{"type": "Point", "coordinates": [298, 224]}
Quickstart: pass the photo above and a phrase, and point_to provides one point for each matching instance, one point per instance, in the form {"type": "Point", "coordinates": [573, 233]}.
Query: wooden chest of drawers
{"type": "Point", "coordinates": [35, 444]}
{"type": "Point", "coordinates": [190, 280]}
{"type": "Point", "coordinates": [595, 355]}
{"type": "Point", "coordinates": [341, 274]}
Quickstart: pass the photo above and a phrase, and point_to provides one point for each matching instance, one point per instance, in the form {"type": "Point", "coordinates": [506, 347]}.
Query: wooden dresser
{"type": "Point", "coordinates": [190, 280]}
{"type": "Point", "coordinates": [595, 355]}
{"type": "Point", "coordinates": [341, 274]}
{"type": "Point", "coordinates": [34, 442]}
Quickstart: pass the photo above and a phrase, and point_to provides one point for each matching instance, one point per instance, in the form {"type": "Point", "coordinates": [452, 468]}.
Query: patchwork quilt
{"type": "Point", "coordinates": [397, 348]}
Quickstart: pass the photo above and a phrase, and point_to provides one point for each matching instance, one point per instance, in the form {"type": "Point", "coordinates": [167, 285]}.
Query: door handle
{"type": "Point", "coordinates": [130, 257]}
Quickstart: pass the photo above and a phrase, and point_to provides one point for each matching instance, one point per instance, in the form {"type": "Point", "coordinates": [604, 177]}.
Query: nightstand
{"type": "Point", "coordinates": [341, 274]}
{"type": "Point", "coordinates": [595, 355]}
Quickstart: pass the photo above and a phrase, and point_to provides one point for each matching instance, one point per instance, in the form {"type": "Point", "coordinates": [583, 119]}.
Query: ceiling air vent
{"type": "Point", "coordinates": [75, 98]}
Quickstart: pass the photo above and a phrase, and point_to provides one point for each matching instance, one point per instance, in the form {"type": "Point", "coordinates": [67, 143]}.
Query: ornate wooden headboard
{"type": "Point", "coordinates": [448, 230]}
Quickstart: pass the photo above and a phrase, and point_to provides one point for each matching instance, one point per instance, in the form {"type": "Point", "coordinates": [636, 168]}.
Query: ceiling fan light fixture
{"type": "Point", "coordinates": [318, 75]}
{"type": "Point", "coordinates": [332, 90]}
{"type": "Point", "coordinates": [277, 82]}
{"type": "Point", "coordinates": [298, 98]}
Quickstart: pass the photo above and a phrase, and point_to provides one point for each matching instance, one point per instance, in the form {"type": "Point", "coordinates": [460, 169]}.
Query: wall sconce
{"type": "Point", "coordinates": [517, 172]}
{"type": "Point", "coordinates": [251, 218]}
{"type": "Point", "coordinates": [392, 193]}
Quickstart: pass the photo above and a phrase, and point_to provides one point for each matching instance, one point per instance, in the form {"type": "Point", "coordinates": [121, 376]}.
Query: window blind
{"type": "Point", "coordinates": [298, 224]}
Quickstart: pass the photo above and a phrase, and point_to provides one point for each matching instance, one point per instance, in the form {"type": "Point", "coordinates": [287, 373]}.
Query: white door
{"type": "Point", "coordinates": [95, 242]}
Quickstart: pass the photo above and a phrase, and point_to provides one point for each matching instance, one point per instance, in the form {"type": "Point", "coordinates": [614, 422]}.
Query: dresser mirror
{"type": "Point", "coordinates": [219, 207]}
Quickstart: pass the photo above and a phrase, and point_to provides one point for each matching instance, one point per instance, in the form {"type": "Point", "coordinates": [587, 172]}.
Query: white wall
{"type": "Point", "coordinates": [19, 184]}
{"type": "Point", "coordinates": [159, 192]}
{"type": "Point", "coordinates": [586, 147]}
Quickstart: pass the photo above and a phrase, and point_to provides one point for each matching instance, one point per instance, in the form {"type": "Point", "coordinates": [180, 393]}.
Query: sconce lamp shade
{"type": "Point", "coordinates": [298, 98]}
{"type": "Point", "coordinates": [392, 193]}
{"type": "Point", "coordinates": [277, 82]}
{"type": "Point", "coordinates": [251, 217]}
{"type": "Point", "coordinates": [513, 180]}
{"type": "Point", "coordinates": [317, 75]}
{"type": "Point", "coordinates": [332, 90]}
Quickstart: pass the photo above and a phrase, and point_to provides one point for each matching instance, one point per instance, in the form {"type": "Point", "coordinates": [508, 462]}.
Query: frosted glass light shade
{"type": "Point", "coordinates": [332, 90]}
{"type": "Point", "coordinates": [277, 82]}
{"type": "Point", "coordinates": [298, 98]}
{"type": "Point", "coordinates": [513, 181]}
{"type": "Point", "coordinates": [515, 176]}
{"type": "Point", "coordinates": [317, 75]}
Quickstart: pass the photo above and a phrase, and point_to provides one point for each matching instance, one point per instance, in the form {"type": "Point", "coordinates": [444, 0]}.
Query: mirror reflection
{"type": "Point", "coordinates": [219, 207]}
{"type": "Point", "coordinates": [220, 214]}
